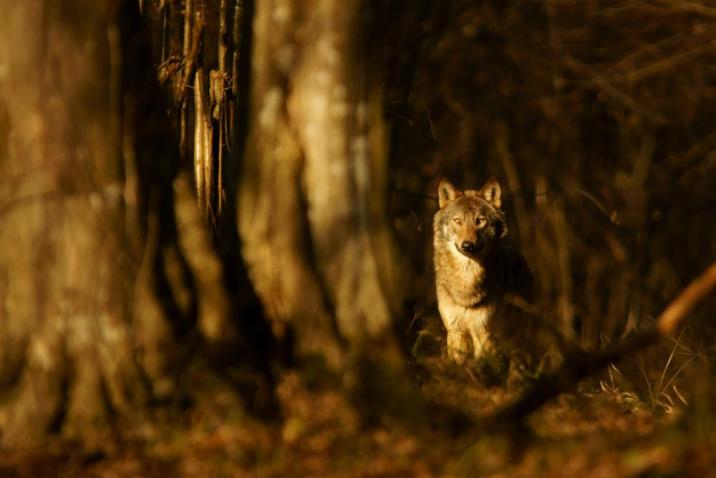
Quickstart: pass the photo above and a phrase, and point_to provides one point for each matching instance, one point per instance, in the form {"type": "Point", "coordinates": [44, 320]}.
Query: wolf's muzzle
{"type": "Point", "coordinates": [468, 246]}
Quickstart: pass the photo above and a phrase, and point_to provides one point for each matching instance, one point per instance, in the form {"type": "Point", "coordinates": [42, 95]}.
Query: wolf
{"type": "Point", "coordinates": [475, 268]}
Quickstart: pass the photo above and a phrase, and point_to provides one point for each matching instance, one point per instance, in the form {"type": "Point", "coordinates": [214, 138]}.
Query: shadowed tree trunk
{"type": "Point", "coordinates": [107, 314]}
{"type": "Point", "coordinates": [312, 201]}
{"type": "Point", "coordinates": [113, 302]}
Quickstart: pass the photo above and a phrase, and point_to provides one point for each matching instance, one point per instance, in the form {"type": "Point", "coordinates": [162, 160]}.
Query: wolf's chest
{"type": "Point", "coordinates": [464, 280]}
{"type": "Point", "coordinates": [458, 316]}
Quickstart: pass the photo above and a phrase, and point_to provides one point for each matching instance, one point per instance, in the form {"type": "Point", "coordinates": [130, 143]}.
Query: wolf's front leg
{"type": "Point", "coordinates": [480, 341]}
{"type": "Point", "coordinates": [458, 345]}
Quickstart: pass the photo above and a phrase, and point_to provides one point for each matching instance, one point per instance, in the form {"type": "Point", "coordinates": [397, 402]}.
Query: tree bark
{"type": "Point", "coordinates": [63, 260]}
{"type": "Point", "coordinates": [106, 311]}
{"type": "Point", "coordinates": [312, 201]}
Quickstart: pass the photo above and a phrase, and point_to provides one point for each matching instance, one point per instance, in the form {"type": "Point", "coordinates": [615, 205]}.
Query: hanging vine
{"type": "Point", "coordinates": [204, 120]}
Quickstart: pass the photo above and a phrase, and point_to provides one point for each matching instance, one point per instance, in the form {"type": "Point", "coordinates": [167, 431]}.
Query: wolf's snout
{"type": "Point", "coordinates": [467, 246]}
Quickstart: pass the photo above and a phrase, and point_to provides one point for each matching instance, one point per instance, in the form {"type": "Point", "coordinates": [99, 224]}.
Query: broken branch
{"type": "Point", "coordinates": [579, 365]}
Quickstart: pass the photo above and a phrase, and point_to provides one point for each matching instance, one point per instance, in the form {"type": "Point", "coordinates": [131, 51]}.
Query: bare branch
{"type": "Point", "coordinates": [675, 313]}
{"type": "Point", "coordinates": [579, 365]}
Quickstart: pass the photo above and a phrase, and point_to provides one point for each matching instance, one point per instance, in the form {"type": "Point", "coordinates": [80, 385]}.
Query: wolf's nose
{"type": "Point", "coordinates": [467, 246]}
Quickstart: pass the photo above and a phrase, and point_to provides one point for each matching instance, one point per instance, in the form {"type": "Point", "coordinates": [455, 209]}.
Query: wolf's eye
{"type": "Point", "coordinates": [480, 220]}
{"type": "Point", "coordinates": [457, 220]}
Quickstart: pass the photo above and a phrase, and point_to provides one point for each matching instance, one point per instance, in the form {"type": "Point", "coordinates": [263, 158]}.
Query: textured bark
{"type": "Point", "coordinates": [313, 190]}
{"type": "Point", "coordinates": [63, 259]}
{"type": "Point", "coordinates": [102, 303]}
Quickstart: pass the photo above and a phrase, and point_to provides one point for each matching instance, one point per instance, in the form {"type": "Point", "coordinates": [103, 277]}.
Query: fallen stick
{"type": "Point", "coordinates": [579, 365]}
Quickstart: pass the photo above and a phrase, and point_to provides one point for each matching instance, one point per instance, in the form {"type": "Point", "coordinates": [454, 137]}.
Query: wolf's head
{"type": "Point", "coordinates": [471, 220]}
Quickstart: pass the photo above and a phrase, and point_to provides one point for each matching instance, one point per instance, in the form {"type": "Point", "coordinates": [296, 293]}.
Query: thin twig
{"type": "Point", "coordinates": [607, 87]}
{"type": "Point", "coordinates": [192, 58]}
{"type": "Point", "coordinates": [690, 7]}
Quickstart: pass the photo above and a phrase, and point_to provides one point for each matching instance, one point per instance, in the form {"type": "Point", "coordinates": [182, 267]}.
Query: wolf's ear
{"type": "Point", "coordinates": [492, 192]}
{"type": "Point", "coordinates": [447, 193]}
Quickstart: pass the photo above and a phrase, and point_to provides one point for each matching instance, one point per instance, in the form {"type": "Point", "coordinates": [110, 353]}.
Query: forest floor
{"type": "Point", "coordinates": [602, 429]}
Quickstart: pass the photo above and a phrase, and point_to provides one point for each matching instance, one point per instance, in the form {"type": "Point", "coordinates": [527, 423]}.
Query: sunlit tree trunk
{"type": "Point", "coordinates": [106, 312]}
{"type": "Point", "coordinates": [312, 205]}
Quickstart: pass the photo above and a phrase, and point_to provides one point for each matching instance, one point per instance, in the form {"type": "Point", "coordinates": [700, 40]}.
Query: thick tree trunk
{"type": "Point", "coordinates": [63, 257]}
{"type": "Point", "coordinates": [102, 304]}
{"type": "Point", "coordinates": [313, 190]}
